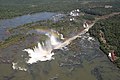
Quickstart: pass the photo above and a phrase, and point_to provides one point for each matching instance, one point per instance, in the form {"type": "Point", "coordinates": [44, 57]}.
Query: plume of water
{"type": "Point", "coordinates": [43, 51]}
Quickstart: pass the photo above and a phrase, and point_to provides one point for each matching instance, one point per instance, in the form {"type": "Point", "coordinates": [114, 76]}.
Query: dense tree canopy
{"type": "Point", "coordinates": [111, 33]}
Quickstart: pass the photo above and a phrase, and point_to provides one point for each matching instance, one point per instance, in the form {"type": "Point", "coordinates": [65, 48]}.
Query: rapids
{"type": "Point", "coordinates": [43, 51]}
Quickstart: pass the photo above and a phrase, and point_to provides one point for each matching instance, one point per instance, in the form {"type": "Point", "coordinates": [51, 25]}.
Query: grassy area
{"type": "Point", "coordinates": [12, 40]}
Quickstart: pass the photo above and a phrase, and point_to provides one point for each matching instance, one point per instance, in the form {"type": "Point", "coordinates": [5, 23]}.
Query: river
{"type": "Point", "coordinates": [21, 20]}
{"type": "Point", "coordinates": [82, 61]}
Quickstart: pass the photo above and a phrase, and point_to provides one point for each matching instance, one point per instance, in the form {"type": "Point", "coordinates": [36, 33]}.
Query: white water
{"type": "Point", "coordinates": [15, 66]}
{"type": "Point", "coordinates": [44, 50]}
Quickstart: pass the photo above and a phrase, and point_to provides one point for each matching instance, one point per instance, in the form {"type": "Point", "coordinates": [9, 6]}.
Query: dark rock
{"type": "Point", "coordinates": [96, 72]}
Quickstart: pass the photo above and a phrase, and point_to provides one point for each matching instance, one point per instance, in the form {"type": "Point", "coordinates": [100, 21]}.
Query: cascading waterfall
{"type": "Point", "coordinates": [43, 51]}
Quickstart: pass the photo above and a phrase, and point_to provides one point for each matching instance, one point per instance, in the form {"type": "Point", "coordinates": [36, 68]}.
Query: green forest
{"type": "Point", "coordinates": [110, 28]}
{"type": "Point", "coordinates": [12, 8]}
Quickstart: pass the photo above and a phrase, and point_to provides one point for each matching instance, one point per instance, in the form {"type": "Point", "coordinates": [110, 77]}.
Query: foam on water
{"type": "Point", "coordinates": [15, 66]}
{"type": "Point", "coordinates": [43, 51]}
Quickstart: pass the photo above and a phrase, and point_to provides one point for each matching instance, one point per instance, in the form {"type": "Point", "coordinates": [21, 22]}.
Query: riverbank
{"type": "Point", "coordinates": [106, 30]}
{"type": "Point", "coordinates": [82, 59]}
{"type": "Point", "coordinates": [18, 8]}
{"type": "Point", "coordinates": [8, 24]}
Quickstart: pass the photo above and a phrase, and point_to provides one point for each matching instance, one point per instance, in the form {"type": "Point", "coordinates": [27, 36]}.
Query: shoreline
{"type": "Point", "coordinates": [103, 41]}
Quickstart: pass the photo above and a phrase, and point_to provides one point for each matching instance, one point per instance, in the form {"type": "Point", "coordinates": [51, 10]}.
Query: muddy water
{"type": "Point", "coordinates": [86, 63]}
{"type": "Point", "coordinates": [83, 61]}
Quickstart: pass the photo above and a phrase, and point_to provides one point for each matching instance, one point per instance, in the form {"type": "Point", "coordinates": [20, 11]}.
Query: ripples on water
{"type": "Point", "coordinates": [21, 20]}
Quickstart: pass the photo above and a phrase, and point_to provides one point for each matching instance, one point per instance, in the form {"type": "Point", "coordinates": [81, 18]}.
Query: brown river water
{"type": "Point", "coordinates": [83, 60]}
